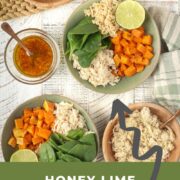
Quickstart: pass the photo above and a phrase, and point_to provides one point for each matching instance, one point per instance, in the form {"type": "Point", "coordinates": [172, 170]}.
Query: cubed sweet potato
{"type": "Point", "coordinates": [44, 133]}
{"type": "Point", "coordinates": [49, 106]}
{"type": "Point", "coordinates": [19, 132]}
{"type": "Point", "coordinates": [124, 43]}
{"type": "Point", "coordinates": [31, 129]}
{"type": "Point", "coordinates": [139, 68]}
{"type": "Point", "coordinates": [117, 60]}
{"type": "Point", "coordinates": [137, 33]}
{"type": "Point", "coordinates": [37, 140]}
{"type": "Point", "coordinates": [147, 40]}
{"type": "Point", "coordinates": [49, 118]}
{"type": "Point", "coordinates": [148, 55]}
{"type": "Point", "coordinates": [12, 142]}
{"type": "Point", "coordinates": [141, 48]}
{"type": "Point", "coordinates": [27, 112]}
{"type": "Point", "coordinates": [19, 123]}
{"type": "Point", "coordinates": [33, 120]}
{"type": "Point", "coordinates": [115, 40]}
{"type": "Point", "coordinates": [125, 60]}
{"type": "Point", "coordinates": [130, 71]}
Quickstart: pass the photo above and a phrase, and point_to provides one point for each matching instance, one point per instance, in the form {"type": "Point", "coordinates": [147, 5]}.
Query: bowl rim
{"type": "Point", "coordinates": [57, 51]}
{"type": "Point", "coordinates": [90, 86]}
{"type": "Point", "coordinates": [114, 121]}
{"type": "Point", "coordinates": [62, 98]}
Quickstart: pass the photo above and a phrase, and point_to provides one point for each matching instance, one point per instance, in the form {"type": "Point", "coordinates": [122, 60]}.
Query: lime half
{"type": "Point", "coordinates": [24, 155]}
{"type": "Point", "coordinates": [130, 14]}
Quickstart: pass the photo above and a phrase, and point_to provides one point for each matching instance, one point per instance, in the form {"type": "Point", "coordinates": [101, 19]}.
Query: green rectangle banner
{"type": "Point", "coordinates": [87, 171]}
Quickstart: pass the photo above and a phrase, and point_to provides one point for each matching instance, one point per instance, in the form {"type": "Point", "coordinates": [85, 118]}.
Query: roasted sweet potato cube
{"type": "Point", "coordinates": [127, 35]}
{"type": "Point", "coordinates": [139, 68]}
{"type": "Point", "coordinates": [49, 106]}
{"type": "Point", "coordinates": [115, 40]}
{"type": "Point", "coordinates": [19, 132]}
{"type": "Point", "coordinates": [148, 55]}
{"type": "Point", "coordinates": [39, 123]}
{"type": "Point", "coordinates": [33, 120]}
{"type": "Point", "coordinates": [36, 132]}
{"type": "Point", "coordinates": [20, 141]}
{"type": "Point", "coordinates": [26, 119]}
{"type": "Point", "coordinates": [25, 126]}
{"type": "Point", "coordinates": [124, 43]}
{"type": "Point", "coordinates": [37, 140]}
{"type": "Point", "coordinates": [28, 138]}
{"type": "Point", "coordinates": [19, 123]}
{"type": "Point", "coordinates": [22, 146]}
{"type": "Point", "coordinates": [125, 60]}
{"type": "Point", "coordinates": [149, 48]}
{"type": "Point", "coordinates": [123, 67]}
{"type": "Point", "coordinates": [145, 61]}
{"type": "Point", "coordinates": [36, 110]}
{"type": "Point", "coordinates": [12, 142]}
{"type": "Point", "coordinates": [117, 49]}
{"type": "Point", "coordinates": [120, 73]}
{"type": "Point", "coordinates": [44, 133]}
{"type": "Point", "coordinates": [137, 40]}
{"type": "Point", "coordinates": [31, 129]}
{"type": "Point", "coordinates": [130, 71]}
{"type": "Point", "coordinates": [27, 112]}
{"type": "Point", "coordinates": [49, 117]}
{"type": "Point", "coordinates": [147, 40]}
{"type": "Point", "coordinates": [137, 59]}
{"type": "Point", "coordinates": [141, 48]}
{"type": "Point", "coordinates": [137, 33]}
{"type": "Point", "coordinates": [117, 60]}
{"type": "Point", "coordinates": [41, 114]}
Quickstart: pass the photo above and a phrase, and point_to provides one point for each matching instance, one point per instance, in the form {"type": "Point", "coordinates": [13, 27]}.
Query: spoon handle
{"type": "Point", "coordinates": [7, 28]}
{"type": "Point", "coordinates": [170, 119]}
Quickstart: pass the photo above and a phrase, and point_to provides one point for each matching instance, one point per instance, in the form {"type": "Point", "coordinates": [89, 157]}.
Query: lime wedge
{"type": "Point", "coordinates": [24, 155]}
{"type": "Point", "coordinates": [130, 14]}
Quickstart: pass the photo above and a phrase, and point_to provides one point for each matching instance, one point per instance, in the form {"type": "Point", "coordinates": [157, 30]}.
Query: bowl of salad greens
{"type": "Point", "coordinates": [106, 57]}
{"type": "Point", "coordinates": [49, 128]}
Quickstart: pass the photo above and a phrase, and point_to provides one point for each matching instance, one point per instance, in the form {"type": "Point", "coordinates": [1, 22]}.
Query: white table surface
{"type": "Point", "coordinates": [13, 93]}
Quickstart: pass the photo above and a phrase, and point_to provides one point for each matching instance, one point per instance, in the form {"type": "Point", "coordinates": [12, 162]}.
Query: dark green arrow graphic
{"type": "Point", "coordinates": [120, 108]}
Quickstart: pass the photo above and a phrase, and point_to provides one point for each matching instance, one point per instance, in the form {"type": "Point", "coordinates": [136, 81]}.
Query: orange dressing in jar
{"type": "Point", "coordinates": [39, 63]}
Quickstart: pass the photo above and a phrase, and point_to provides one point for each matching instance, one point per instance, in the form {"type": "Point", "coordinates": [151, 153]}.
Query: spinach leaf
{"type": "Point", "coordinates": [59, 154]}
{"type": "Point", "coordinates": [106, 43]}
{"type": "Point", "coordinates": [57, 139]}
{"type": "Point", "coordinates": [85, 58]}
{"type": "Point", "coordinates": [93, 43]}
{"type": "Point", "coordinates": [46, 153]}
{"type": "Point", "coordinates": [85, 26]}
{"type": "Point", "coordinates": [69, 158]}
{"type": "Point", "coordinates": [89, 139]}
{"type": "Point", "coordinates": [75, 42]}
{"type": "Point", "coordinates": [53, 144]}
{"type": "Point", "coordinates": [76, 134]}
{"type": "Point", "coordinates": [86, 150]}
{"type": "Point", "coordinates": [67, 146]}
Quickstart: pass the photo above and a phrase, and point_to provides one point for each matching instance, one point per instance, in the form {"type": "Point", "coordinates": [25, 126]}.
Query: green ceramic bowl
{"type": "Point", "coordinates": [35, 102]}
{"type": "Point", "coordinates": [126, 83]}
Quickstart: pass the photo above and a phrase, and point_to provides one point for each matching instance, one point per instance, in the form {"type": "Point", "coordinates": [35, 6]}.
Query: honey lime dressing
{"type": "Point", "coordinates": [39, 63]}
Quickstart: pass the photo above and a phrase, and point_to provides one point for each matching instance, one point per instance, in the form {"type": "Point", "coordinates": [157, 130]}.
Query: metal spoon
{"type": "Point", "coordinates": [7, 28]}
{"type": "Point", "coordinates": [170, 119]}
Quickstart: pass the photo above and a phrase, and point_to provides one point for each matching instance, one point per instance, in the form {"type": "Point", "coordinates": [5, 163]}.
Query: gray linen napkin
{"type": "Point", "coordinates": [167, 74]}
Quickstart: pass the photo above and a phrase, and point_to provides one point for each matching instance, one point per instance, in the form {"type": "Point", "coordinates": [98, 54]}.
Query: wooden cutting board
{"type": "Point", "coordinates": [47, 3]}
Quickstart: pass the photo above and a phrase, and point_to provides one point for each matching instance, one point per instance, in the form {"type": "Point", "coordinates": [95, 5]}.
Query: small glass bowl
{"type": "Point", "coordinates": [9, 56]}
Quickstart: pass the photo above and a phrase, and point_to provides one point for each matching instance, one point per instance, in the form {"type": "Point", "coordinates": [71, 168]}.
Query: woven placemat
{"type": "Point", "coordinates": [16, 8]}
